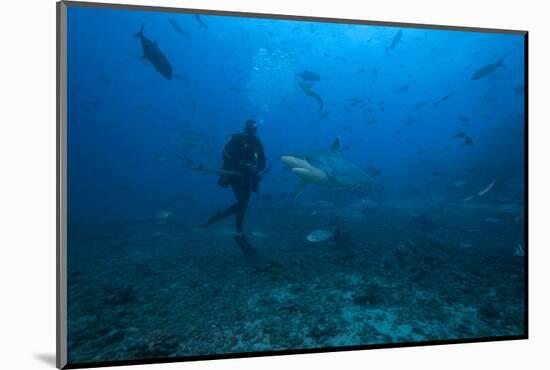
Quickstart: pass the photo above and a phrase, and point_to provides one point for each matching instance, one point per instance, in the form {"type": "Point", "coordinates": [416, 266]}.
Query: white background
{"type": "Point", "coordinates": [27, 193]}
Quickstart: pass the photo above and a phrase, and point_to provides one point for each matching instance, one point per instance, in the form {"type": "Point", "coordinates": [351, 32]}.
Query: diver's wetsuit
{"type": "Point", "coordinates": [244, 153]}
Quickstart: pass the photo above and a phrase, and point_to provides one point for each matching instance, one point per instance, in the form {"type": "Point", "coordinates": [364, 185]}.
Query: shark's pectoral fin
{"type": "Point", "coordinates": [299, 189]}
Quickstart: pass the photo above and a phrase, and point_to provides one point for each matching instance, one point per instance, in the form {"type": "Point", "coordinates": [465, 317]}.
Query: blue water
{"type": "Point", "coordinates": [430, 246]}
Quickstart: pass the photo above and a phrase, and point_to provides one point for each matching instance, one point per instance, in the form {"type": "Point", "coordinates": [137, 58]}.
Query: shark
{"type": "Point", "coordinates": [326, 168]}
{"type": "Point", "coordinates": [308, 90]}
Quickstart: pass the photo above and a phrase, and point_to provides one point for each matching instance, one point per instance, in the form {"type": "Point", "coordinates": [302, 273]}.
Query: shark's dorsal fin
{"type": "Point", "coordinates": [336, 144]}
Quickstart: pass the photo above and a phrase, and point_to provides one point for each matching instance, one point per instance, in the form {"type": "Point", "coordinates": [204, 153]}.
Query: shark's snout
{"type": "Point", "coordinates": [304, 170]}
{"type": "Point", "coordinates": [294, 162]}
{"type": "Point", "coordinates": [331, 169]}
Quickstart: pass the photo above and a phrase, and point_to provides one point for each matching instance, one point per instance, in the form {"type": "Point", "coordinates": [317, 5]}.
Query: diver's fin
{"type": "Point", "coordinates": [336, 144]}
{"type": "Point", "coordinates": [215, 219]}
{"type": "Point", "coordinates": [247, 249]}
{"type": "Point", "coordinates": [299, 189]}
{"type": "Point", "coordinates": [140, 33]}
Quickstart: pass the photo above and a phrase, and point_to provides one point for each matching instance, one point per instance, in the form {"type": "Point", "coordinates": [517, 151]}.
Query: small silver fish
{"type": "Point", "coordinates": [161, 215]}
{"type": "Point", "coordinates": [319, 236]}
{"type": "Point", "coordinates": [487, 189]}
{"type": "Point", "coordinates": [259, 234]}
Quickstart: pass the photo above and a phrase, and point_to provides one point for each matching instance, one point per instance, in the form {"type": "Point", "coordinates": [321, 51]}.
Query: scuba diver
{"type": "Point", "coordinates": [244, 158]}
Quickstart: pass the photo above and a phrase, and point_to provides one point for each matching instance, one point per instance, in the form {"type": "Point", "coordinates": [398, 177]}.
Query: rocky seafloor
{"type": "Point", "coordinates": [163, 289]}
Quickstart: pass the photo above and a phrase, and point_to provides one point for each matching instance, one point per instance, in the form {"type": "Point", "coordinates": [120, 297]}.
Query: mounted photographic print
{"type": "Point", "coordinates": [235, 184]}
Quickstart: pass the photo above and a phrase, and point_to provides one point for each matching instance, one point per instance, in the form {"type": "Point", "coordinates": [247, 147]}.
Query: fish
{"type": "Point", "coordinates": [467, 142]}
{"type": "Point", "coordinates": [154, 55]}
{"type": "Point", "coordinates": [486, 70]}
{"type": "Point", "coordinates": [201, 22]}
{"type": "Point", "coordinates": [463, 118]}
{"type": "Point", "coordinates": [354, 101]}
{"type": "Point", "coordinates": [460, 135]}
{"type": "Point", "coordinates": [467, 199]}
{"type": "Point", "coordinates": [308, 90]}
{"type": "Point", "coordinates": [326, 168]}
{"type": "Point", "coordinates": [487, 189]}
{"type": "Point", "coordinates": [317, 236]}
{"type": "Point", "coordinates": [402, 88]}
{"type": "Point", "coordinates": [444, 99]}
{"type": "Point", "coordinates": [396, 40]}
{"type": "Point", "coordinates": [459, 183]}
{"type": "Point", "coordinates": [309, 76]}
{"type": "Point", "coordinates": [162, 215]}
{"type": "Point", "coordinates": [259, 234]}
{"type": "Point", "coordinates": [175, 25]}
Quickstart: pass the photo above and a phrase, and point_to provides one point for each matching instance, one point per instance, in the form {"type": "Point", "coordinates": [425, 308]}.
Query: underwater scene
{"type": "Point", "coordinates": [241, 185]}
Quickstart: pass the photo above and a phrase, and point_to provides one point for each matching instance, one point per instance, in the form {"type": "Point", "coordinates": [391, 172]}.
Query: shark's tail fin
{"type": "Point", "coordinates": [140, 33]}
{"type": "Point", "coordinates": [499, 63]}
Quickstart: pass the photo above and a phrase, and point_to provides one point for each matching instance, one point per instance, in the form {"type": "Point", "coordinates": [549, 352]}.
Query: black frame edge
{"type": "Point", "coordinates": [61, 252]}
{"type": "Point", "coordinates": [526, 179]}
{"type": "Point", "coordinates": [58, 181]}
